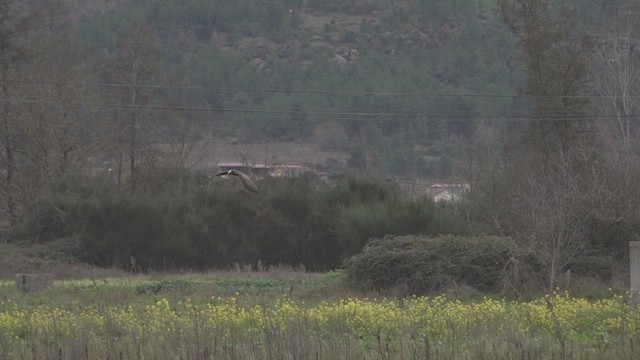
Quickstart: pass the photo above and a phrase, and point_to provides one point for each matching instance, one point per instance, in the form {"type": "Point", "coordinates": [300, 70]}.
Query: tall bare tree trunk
{"type": "Point", "coordinates": [135, 66]}
{"type": "Point", "coordinates": [133, 136]}
{"type": "Point", "coordinates": [10, 163]}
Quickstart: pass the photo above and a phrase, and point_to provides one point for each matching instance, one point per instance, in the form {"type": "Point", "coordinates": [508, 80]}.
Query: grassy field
{"type": "Point", "coordinates": [294, 315]}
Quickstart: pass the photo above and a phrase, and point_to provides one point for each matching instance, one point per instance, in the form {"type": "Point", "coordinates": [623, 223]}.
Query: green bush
{"type": "Point", "coordinates": [355, 225]}
{"type": "Point", "coordinates": [355, 190]}
{"type": "Point", "coordinates": [421, 265]}
{"type": "Point", "coordinates": [44, 221]}
{"type": "Point", "coordinates": [294, 221]}
{"type": "Point", "coordinates": [204, 229]}
{"type": "Point", "coordinates": [51, 216]}
{"type": "Point", "coordinates": [119, 227]}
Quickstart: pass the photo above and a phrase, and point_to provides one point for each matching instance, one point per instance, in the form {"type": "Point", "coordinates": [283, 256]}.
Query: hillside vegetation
{"type": "Point", "coordinates": [318, 58]}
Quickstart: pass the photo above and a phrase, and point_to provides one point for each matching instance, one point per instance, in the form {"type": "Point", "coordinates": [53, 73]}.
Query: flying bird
{"type": "Point", "coordinates": [246, 180]}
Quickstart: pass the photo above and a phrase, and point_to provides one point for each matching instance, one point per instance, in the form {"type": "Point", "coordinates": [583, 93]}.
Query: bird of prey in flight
{"type": "Point", "coordinates": [246, 180]}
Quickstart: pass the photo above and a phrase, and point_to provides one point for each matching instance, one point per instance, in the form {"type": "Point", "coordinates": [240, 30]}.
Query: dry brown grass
{"type": "Point", "coordinates": [19, 259]}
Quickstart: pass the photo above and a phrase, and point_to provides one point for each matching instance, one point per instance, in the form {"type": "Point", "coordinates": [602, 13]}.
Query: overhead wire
{"type": "Point", "coordinates": [304, 91]}
{"type": "Point", "coordinates": [333, 115]}
{"type": "Point", "coordinates": [318, 115]}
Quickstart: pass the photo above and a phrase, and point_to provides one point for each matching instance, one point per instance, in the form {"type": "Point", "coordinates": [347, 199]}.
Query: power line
{"type": "Point", "coordinates": [332, 115]}
{"type": "Point", "coordinates": [294, 91]}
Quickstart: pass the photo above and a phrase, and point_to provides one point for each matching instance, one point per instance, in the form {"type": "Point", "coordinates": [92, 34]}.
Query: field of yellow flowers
{"type": "Point", "coordinates": [130, 324]}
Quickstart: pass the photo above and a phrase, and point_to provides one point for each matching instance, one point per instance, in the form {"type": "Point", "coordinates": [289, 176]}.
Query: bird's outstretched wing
{"type": "Point", "coordinates": [246, 180]}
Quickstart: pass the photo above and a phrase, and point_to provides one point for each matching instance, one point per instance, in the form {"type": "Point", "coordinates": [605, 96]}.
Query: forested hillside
{"type": "Point", "coordinates": [317, 70]}
{"type": "Point", "coordinates": [124, 107]}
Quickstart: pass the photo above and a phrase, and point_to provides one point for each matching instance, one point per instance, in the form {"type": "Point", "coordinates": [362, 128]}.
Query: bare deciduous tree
{"type": "Point", "coordinates": [135, 66]}
{"type": "Point", "coordinates": [618, 69]}
{"type": "Point", "coordinates": [17, 25]}
{"type": "Point", "coordinates": [557, 159]}
{"type": "Point", "coordinates": [618, 80]}
{"type": "Point", "coordinates": [551, 204]}
{"type": "Point", "coordinates": [59, 132]}
{"type": "Point", "coordinates": [187, 145]}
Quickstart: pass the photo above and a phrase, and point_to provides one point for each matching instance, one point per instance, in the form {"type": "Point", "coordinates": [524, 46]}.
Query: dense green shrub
{"type": "Point", "coordinates": [52, 215]}
{"type": "Point", "coordinates": [293, 221]}
{"type": "Point", "coordinates": [355, 225]}
{"type": "Point", "coordinates": [119, 227]}
{"type": "Point", "coordinates": [45, 220]}
{"type": "Point", "coordinates": [356, 190]}
{"type": "Point", "coordinates": [419, 265]}
{"type": "Point", "coordinates": [204, 229]}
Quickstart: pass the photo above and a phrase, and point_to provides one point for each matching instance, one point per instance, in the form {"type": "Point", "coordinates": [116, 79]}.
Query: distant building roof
{"type": "Point", "coordinates": [239, 164]}
{"type": "Point", "coordinates": [450, 185]}
{"type": "Point", "coordinates": [273, 170]}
